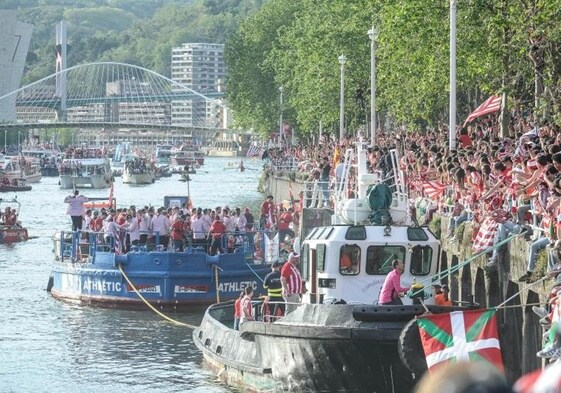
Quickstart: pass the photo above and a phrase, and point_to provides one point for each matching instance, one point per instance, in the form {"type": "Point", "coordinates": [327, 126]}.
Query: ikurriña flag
{"type": "Point", "coordinates": [460, 336]}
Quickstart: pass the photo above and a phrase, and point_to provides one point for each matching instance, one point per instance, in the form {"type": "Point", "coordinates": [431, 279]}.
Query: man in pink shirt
{"type": "Point", "coordinates": [392, 289]}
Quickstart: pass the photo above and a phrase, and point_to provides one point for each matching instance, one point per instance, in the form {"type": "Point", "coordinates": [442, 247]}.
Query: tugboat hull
{"type": "Point", "coordinates": [316, 348]}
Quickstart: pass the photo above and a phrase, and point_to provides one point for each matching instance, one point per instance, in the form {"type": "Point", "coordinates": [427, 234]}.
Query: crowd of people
{"type": "Point", "coordinates": [172, 228]}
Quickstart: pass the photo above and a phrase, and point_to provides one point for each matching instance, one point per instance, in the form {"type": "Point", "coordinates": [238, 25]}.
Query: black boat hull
{"type": "Point", "coordinates": [319, 348]}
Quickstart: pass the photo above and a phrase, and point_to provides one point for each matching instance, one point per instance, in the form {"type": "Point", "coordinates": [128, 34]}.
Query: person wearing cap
{"type": "Point", "coordinates": [76, 209]}
{"type": "Point", "coordinates": [392, 290]}
{"type": "Point", "coordinates": [443, 298]}
{"type": "Point", "coordinates": [291, 281]}
{"type": "Point", "coordinates": [273, 285]}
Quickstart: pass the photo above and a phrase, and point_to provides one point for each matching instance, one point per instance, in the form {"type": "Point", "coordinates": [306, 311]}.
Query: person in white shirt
{"type": "Point", "coordinates": [199, 232]}
{"type": "Point", "coordinates": [144, 220]}
{"type": "Point", "coordinates": [228, 220]}
{"type": "Point", "coordinates": [160, 227]}
{"type": "Point", "coordinates": [207, 221]}
{"type": "Point", "coordinates": [241, 221]}
{"type": "Point", "coordinates": [87, 220]}
{"type": "Point", "coordinates": [133, 230]}
{"type": "Point", "coordinates": [76, 209]}
{"type": "Point", "coordinates": [112, 231]}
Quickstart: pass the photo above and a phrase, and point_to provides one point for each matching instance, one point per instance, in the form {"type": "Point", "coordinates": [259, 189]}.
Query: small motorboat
{"type": "Point", "coordinates": [16, 185]}
{"type": "Point", "coordinates": [11, 230]}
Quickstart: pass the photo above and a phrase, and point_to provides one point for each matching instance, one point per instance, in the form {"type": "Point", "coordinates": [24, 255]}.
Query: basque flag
{"type": "Point", "coordinates": [460, 336]}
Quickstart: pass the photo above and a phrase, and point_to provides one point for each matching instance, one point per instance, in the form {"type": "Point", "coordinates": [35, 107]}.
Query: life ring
{"type": "Point", "coordinates": [411, 350]}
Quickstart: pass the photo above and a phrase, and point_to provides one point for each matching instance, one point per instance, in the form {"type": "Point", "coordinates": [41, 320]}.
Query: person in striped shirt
{"type": "Point", "coordinates": [291, 281]}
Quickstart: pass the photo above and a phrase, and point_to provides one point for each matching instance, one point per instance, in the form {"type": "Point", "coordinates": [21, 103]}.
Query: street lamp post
{"type": "Point", "coordinates": [342, 61]}
{"type": "Point", "coordinates": [373, 34]}
{"type": "Point", "coordinates": [452, 115]}
{"type": "Point", "coordinates": [281, 90]}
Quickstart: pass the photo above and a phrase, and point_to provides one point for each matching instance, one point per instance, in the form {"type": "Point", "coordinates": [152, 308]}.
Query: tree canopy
{"type": "Point", "coordinates": [504, 46]}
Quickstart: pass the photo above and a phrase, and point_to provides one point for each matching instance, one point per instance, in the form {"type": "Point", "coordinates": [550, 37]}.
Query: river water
{"type": "Point", "coordinates": [50, 346]}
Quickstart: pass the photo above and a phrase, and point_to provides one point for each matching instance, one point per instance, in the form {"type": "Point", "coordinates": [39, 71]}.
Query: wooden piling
{"type": "Point", "coordinates": [479, 289]}
{"type": "Point", "coordinates": [531, 336]}
{"type": "Point", "coordinates": [510, 332]}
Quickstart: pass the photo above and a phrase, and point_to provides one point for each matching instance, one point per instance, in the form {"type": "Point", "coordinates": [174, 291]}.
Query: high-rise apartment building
{"type": "Point", "coordinates": [201, 68]}
{"type": "Point", "coordinates": [14, 43]}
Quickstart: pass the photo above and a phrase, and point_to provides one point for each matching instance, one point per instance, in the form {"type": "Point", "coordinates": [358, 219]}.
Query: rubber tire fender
{"type": "Point", "coordinates": [411, 350]}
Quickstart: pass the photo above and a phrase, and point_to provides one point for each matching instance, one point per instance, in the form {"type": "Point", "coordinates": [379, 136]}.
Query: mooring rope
{"type": "Point", "coordinates": [502, 305]}
{"type": "Point", "coordinates": [174, 321]}
{"type": "Point", "coordinates": [453, 269]}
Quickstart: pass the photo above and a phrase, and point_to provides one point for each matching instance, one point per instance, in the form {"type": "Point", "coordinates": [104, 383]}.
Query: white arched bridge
{"type": "Point", "coordinates": [110, 94]}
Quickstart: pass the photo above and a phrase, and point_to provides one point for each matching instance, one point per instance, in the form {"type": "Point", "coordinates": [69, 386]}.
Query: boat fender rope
{"type": "Point", "coordinates": [174, 321]}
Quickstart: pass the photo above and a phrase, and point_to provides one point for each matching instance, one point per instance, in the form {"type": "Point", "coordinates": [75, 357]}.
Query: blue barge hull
{"type": "Point", "coordinates": [168, 280]}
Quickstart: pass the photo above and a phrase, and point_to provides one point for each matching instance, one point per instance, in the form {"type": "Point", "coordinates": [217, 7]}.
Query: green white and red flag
{"type": "Point", "coordinates": [460, 336]}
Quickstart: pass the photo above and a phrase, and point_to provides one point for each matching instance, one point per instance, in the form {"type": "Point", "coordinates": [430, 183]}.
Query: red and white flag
{"type": "Point", "coordinates": [486, 235]}
{"type": "Point", "coordinates": [491, 105]}
{"type": "Point", "coordinates": [433, 189]}
{"type": "Point", "coordinates": [460, 336]}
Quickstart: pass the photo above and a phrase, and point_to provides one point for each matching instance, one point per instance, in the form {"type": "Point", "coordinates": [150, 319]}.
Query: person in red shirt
{"type": "Point", "coordinates": [291, 281]}
{"type": "Point", "coordinates": [238, 310]}
{"type": "Point", "coordinates": [217, 229]}
{"type": "Point", "coordinates": [464, 139]}
{"type": "Point", "coordinates": [285, 218]}
{"type": "Point", "coordinates": [178, 233]}
{"type": "Point", "coordinates": [96, 223]}
{"type": "Point", "coordinates": [267, 210]}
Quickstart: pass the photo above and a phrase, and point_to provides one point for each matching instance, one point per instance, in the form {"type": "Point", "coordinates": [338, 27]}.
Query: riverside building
{"type": "Point", "coordinates": [200, 67]}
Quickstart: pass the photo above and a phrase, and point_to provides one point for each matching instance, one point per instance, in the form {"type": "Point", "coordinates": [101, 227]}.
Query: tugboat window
{"type": "Point", "coordinates": [421, 258]}
{"type": "Point", "coordinates": [379, 258]}
{"type": "Point", "coordinates": [349, 260]}
{"type": "Point", "coordinates": [325, 235]}
{"type": "Point", "coordinates": [320, 257]}
{"type": "Point", "coordinates": [415, 234]}
{"type": "Point", "coordinates": [356, 233]}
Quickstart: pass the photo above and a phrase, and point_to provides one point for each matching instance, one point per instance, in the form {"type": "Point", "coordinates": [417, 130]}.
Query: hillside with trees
{"type": "Point", "coordinates": [139, 32]}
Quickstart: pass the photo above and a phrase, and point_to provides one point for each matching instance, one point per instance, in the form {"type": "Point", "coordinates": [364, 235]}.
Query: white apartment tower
{"type": "Point", "coordinates": [201, 68]}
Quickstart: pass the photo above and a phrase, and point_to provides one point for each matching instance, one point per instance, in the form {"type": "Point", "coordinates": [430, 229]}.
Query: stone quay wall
{"type": "Point", "coordinates": [519, 328]}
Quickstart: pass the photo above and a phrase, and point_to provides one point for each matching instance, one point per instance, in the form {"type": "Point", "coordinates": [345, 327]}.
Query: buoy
{"type": "Point", "coordinates": [50, 283]}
